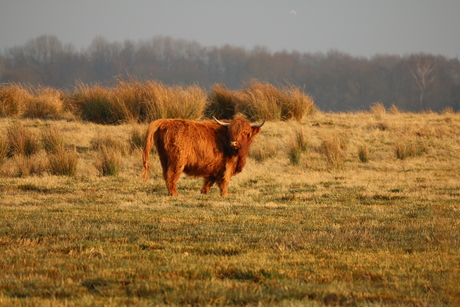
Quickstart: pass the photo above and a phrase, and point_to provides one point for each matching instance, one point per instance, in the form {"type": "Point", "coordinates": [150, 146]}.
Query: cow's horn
{"type": "Point", "coordinates": [221, 123]}
{"type": "Point", "coordinates": [257, 125]}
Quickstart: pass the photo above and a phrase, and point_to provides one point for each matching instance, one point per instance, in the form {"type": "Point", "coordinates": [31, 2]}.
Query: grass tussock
{"type": "Point", "coordinates": [21, 140]}
{"type": "Point", "coordinates": [263, 101]}
{"type": "Point", "coordinates": [12, 99]}
{"type": "Point", "coordinates": [63, 162]}
{"type": "Point", "coordinates": [334, 149]}
{"type": "Point", "coordinates": [46, 103]}
{"type": "Point", "coordinates": [108, 161]}
{"type": "Point", "coordinates": [223, 103]}
{"type": "Point", "coordinates": [363, 153]}
{"type": "Point", "coordinates": [297, 146]}
{"type": "Point", "coordinates": [29, 165]}
{"type": "Point", "coordinates": [409, 147]}
{"type": "Point", "coordinates": [93, 103]}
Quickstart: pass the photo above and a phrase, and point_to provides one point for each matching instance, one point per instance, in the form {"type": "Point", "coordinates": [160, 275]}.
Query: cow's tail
{"type": "Point", "coordinates": [148, 144]}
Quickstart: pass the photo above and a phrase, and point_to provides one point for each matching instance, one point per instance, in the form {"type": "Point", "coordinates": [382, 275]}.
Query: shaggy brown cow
{"type": "Point", "coordinates": [215, 150]}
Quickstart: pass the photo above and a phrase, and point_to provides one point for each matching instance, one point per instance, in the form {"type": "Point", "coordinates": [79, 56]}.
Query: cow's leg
{"type": "Point", "coordinates": [223, 186]}
{"type": "Point", "coordinates": [173, 175]}
{"type": "Point", "coordinates": [208, 182]}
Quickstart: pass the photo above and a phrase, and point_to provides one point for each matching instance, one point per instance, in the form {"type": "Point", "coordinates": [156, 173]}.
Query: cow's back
{"type": "Point", "coordinates": [198, 147]}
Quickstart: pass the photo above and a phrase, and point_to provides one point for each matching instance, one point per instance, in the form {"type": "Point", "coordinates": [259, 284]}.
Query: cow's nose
{"type": "Point", "coordinates": [233, 143]}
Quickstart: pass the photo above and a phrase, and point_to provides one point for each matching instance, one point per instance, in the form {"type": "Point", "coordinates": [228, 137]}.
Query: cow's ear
{"type": "Point", "coordinates": [256, 131]}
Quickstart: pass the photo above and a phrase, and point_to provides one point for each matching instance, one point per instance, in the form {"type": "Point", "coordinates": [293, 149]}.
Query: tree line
{"type": "Point", "coordinates": [336, 80]}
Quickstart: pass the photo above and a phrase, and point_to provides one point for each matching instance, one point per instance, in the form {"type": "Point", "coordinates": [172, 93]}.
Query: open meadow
{"type": "Point", "coordinates": [353, 209]}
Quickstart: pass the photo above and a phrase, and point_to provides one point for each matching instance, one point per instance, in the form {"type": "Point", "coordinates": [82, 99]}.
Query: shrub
{"type": "Point", "coordinates": [21, 141]}
{"type": "Point", "coordinates": [45, 103]}
{"type": "Point", "coordinates": [108, 162]}
{"type": "Point", "coordinates": [12, 99]}
{"type": "Point", "coordinates": [63, 162]}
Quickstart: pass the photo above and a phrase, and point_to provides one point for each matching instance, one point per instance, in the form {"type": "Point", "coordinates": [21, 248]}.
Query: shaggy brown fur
{"type": "Point", "coordinates": [212, 149]}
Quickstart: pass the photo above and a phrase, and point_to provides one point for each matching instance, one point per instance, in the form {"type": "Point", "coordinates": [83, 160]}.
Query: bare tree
{"type": "Point", "coordinates": [421, 68]}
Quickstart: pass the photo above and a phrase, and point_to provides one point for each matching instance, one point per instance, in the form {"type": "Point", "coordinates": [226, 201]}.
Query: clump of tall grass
{"type": "Point", "coordinates": [378, 110]}
{"type": "Point", "coordinates": [261, 151]}
{"type": "Point", "coordinates": [394, 110]}
{"type": "Point", "coordinates": [136, 139]}
{"type": "Point", "coordinates": [108, 161]}
{"type": "Point", "coordinates": [263, 101]}
{"type": "Point", "coordinates": [12, 99]}
{"type": "Point", "coordinates": [187, 102]}
{"type": "Point", "coordinates": [363, 153]}
{"type": "Point", "coordinates": [93, 103]}
{"type": "Point", "coordinates": [109, 142]}
{"type": "Point", "coordinates": [407, 148]}
{"type": "Point", "coordinates": [45, 102]}
{"type": "Point", "coordinates": [21, 141]}
{"type": "Point", "coordinates": [3, 150]}
{"type": "Point", "coordinates": [334, 149]}
{"type": "Point", "coordinates": [52, 139]}
{"type": "Point", "coordinates": [223, 103]}
{"type": "Point", "coordinates": [298, 145]}
{"type": "Point", "coordinates": [128, 100]}
{"type": "Point", "coordinates": [28, 165]}
{"type": "Point", "coordinates": [63, 162]}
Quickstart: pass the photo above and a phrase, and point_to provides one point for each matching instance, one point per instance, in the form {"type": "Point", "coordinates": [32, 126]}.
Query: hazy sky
{"type": "Point", "coordinates": [357, 27]}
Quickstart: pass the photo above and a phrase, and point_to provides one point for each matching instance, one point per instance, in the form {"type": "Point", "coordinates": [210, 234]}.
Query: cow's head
{"type": "Point", "coordinates": [240, 132]}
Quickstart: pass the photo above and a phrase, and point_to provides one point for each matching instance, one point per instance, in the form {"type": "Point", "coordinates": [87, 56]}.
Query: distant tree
{"type": "Point", "coordinates": [421, 68]}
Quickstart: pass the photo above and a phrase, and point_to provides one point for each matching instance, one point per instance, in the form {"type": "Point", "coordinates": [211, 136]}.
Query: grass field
{"type": "Point", "coordinates": [355, 209]}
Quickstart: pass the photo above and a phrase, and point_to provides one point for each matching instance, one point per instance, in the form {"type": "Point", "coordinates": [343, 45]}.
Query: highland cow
{"type": "Point", "coordinates": [215, 150]}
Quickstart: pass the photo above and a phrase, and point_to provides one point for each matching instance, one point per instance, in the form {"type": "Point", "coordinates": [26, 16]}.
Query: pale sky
{"type": "Point", "coordinates": [357, 27]}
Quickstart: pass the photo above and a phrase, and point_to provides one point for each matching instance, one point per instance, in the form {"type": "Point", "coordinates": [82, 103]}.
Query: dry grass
{"type": "Point", "coordinates": [45, 103]}
{"type": "Point", "coordinates": [383, 232]}
{"type": "Point", "coordinates": [12, 99]}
